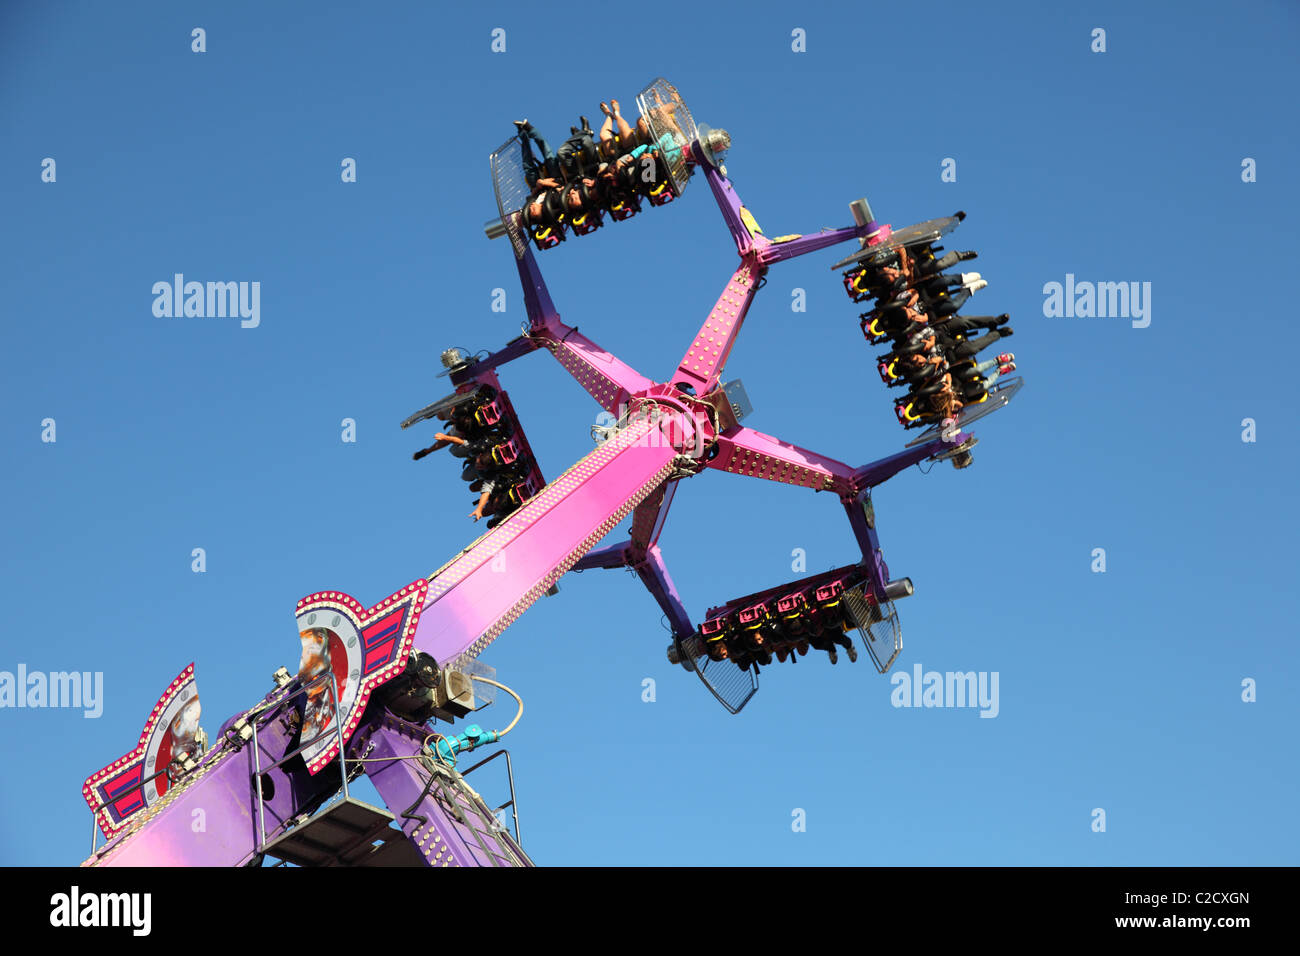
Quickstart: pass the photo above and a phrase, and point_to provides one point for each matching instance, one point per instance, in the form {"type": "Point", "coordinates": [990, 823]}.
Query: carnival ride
{"type": "Point", "coordinates": [373, 680]}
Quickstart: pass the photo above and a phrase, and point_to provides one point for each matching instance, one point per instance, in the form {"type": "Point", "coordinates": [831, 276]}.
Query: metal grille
{"type": "Point", "coordinates": [511, 188]}
{"type": "Point", "coordinates": [877, 626]}
{"type": "Point", "coordinates": [725, 680]}
{"type": "Point", "coordinates": [999, 396]}
{"type": "Point", "coordinates": [650, 101]}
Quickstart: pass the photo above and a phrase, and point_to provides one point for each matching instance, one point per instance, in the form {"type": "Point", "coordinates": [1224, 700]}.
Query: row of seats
{"type": "Point", "coordinates": [483, 431]}
{"type": "Point", "coordinates": [592, 174]}
{"type": "Point", "coordinates": [581, 203]}
{"type": "Point", "coordinates": [783, 627]}
{"type": "Point", "coordinates": [933, 348]}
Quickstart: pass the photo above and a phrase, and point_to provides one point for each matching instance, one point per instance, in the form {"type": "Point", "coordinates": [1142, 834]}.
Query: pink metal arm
{"type": "Point", "coordinates": [743, 451]}
{"type": "Point", "coordinates": [704, 361]}
{"type": "Point", "coordinates": [480, 593]}
{"type": "Point", "coordinates": [608, 380]}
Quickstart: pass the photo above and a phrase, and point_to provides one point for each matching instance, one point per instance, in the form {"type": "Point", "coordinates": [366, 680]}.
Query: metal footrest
{"type": "Point", "coordinates": [348, 833]}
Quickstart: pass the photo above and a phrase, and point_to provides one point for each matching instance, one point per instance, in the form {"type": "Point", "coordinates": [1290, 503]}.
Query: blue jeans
{"type": "Point", "coordinates": [533, 168]}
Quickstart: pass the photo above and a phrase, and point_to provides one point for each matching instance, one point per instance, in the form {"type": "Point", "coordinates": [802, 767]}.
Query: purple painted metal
{"type": "Point", "coordinates": [868, 476]}
{"type": "Point", "coordinates": [219, 795]}
{"type": "Point", "coordinates": [779, 251]}
{"type": "Point", "coordinates": [733, 211]}
{"type": "Point", "coordinates": [610, 556]}
{"type": "Point", "coordinates": [442, 816]}
{"type": "Point", "coordinates": [654, 574]}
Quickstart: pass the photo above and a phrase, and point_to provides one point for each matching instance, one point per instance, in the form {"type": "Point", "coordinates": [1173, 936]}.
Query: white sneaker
{"type": "Point", "coordinates": [968, 277]}
{"type": "Point", "coordinates": [976, 285]}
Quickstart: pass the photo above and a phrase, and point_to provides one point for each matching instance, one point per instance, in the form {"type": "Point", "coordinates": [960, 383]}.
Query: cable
{"type": "Point", "coordinates": [518, 700]}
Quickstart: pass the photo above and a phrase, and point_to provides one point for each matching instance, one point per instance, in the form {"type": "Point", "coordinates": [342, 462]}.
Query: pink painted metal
{"type": "Point", "coordinates": [704, 361]}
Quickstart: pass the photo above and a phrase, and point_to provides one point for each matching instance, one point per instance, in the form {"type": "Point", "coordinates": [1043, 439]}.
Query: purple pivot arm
{"type": "Point", "coordinates": [749, 237]}
{"type": "Point", "coordinates": [868, 476]}
{"type": "Point", "coordinates": [512, 350]}
{"type": "Point", "coordinates": [654, 574]}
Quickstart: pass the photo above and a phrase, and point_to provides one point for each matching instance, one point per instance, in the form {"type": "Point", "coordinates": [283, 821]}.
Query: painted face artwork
{"type": "Point", "coordinates": [185, 728]}
{"type": "Point", "coordinates": [315, 661]}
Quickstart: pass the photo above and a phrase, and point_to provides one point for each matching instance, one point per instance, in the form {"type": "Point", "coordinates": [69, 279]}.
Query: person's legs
{"type": "Point", "coordinates": [959, 324]}
{"type": "Point", "coordinates": [532, 168]}
{"type": "Point", "coordinates": [668, 119]}
{"type": "Point", "coordinates": [625, 135]}
{"type": "Point", "coordinates": [966, 350]}
{"type": "Point", "coordinates": [932, 265]}
{"type": "Point", "coordinates": [949, 304]}
{"type": "Point", "coordinates": [547, 165]}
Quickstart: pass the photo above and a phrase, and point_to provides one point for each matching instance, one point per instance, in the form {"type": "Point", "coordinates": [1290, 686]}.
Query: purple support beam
{"type": "Point", "coordinates": [513, 350]}
{"type": "Point", "coordinates": [868, 476]}
{"type": "Point", "coordinates": [749, 238]}
{"type": "Point", "coordinates": [802, 245]}
{"type": "Point", "coordinates": [862, 518]}
{"type": "Point", "coordinates": [654, 573]}
{"type": "Point", "coordinates": [733, 211]}
{"type": "Point", "coordinates": [615, 556]}
{"type": "Point", "coordinates": [446, 822]}
{"type": "Point", "coordinates": [537, 298]}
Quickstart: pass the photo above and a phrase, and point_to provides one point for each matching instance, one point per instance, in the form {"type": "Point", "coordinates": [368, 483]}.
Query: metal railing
{"type": "Point", "coordinates": [257, 754]}
{"type": "Point", "coordinates": [510, 776]}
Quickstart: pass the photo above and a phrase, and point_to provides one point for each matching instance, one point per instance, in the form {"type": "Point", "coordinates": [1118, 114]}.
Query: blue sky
{"type": "Point", "coordinates": [1119, 690]}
